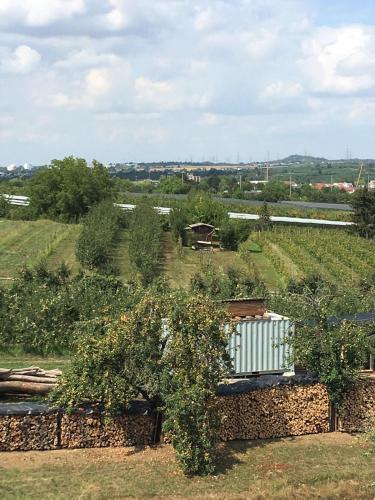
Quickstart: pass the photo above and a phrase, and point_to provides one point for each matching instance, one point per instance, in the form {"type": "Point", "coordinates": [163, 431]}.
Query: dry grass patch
{"type": "Point", "coordinates": [319, 466]}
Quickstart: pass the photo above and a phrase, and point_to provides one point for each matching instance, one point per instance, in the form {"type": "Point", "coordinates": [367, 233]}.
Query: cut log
{"type": "Point", "coordinates": [15, 387]}
{"type": "Point", "coordinates": [29, 378]}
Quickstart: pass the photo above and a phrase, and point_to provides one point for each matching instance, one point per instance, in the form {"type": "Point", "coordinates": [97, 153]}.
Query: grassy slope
{"type": "Point", "coordinates": [27, 242]}
{"type": "Point", "coordinates": [323, 466]}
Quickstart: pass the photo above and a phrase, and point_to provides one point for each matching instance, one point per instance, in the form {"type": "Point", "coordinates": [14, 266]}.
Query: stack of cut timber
{"type": "Point", "coordinates": [93, 431]}
{"type": "Point", "coordinates": [288, 410]}
{"type": "Point", "coordinates": [358, 412]}
{"type": "Point", "coordinates": [28, 432]}
{"type": "Point", "coordinates": [32, 380]}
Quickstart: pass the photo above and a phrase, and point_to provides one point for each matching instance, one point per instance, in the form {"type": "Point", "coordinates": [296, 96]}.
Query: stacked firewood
{"type": "Point", "coordinates": [358, 412]}
{"type": "Point", "coordinates": [28, 432]}
{"type": "Point", "coordinates": [275, 412]}
{"type": "Point", "coordinates": [32, 380]}
{"type": "Point", "coordinates": [93, 431]}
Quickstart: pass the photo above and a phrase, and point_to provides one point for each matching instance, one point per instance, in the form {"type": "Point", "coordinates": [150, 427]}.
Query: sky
{"type": "Point", "coordinates": [152, 80]}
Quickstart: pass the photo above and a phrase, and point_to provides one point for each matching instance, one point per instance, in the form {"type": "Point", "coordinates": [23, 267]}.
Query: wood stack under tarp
{"type": "Point", "coordinates": [32, 380]}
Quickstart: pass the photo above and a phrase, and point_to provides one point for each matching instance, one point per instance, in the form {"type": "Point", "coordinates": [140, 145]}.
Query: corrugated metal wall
{"type": "Point", "coordinates": [255, 346]}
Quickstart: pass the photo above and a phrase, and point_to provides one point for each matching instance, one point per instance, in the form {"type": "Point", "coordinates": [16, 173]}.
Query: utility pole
{"type": "Point", "coordinates": [290, 186]}
{"type": "Point", "coordinates": [331, 182]}
{"type": "Point", "coordinates": [240, 181]}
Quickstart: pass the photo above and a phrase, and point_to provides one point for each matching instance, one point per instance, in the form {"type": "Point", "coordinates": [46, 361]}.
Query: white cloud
{"type": "Point", "coordinates": [88, 57]}
{"type": "Point", "coordinates": [281, 90]}
{"type": "Point", "coordinates": [158, 94]}
{"type": "Point", "coordinates": [363, 110]}
{"type": "Point", "coordinates": [143, 14]}
{"type": "Point", "coordinates": [21, 61]}
{"type": "Point", "coordinates": [98, 82]}
{"type": "Point", "coordinates": [39, 12]}
{"type": "Point", "coordinates": [340, 60]}
{"type": "Point", "coordinates": [210, 119]}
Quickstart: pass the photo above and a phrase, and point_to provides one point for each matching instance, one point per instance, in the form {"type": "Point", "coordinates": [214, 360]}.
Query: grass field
{"type": "Point", "coordinates": [180, 265]}
{"type": "Point", "coordinates": [322, 466]}
{"type": "Point", "coordinates": [28, 242]}
{"type": "Point", "coordinates": [26, 360]}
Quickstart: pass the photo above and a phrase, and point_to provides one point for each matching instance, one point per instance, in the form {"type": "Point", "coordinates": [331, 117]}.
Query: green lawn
{"type": "Point", "coordinates": [180, 265]}
{"type": "Point", "coordinates": [28, 242]}
{"type": "Point", "coordinates": [321, 466]}
{"type": "Point", "coordinates": [25, 360]}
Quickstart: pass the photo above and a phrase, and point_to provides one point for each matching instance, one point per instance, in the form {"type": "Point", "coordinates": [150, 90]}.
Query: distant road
{"type": "Point", "coordinates": [296, 204]}
{"type": "Point", "coordinates": [313, 204]}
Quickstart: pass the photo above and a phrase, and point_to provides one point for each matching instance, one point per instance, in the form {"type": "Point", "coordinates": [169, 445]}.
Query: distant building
{"type": "Point", "coordinates": [320, 185]}
{"type": "Point", "coordinates": [193, 178]}
{"type": "Point", "coordinates": [371, 185]}
{"type": "Point", "coordinates": [205, 232]}
{"type": "Point", "coordinates": [343, 186]}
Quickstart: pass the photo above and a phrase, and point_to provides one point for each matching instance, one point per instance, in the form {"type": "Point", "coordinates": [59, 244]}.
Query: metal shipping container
{"type": "Point", "coordinates": [255, 347]}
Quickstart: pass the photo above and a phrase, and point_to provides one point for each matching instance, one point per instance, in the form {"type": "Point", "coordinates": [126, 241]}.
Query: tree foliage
{"type": "Point", "coordinates": [68, 188]}
{"type": "Point", "coordinates": [178, 220]}
{"type": "Point", "coordinates": [364, 212]}
{"type": "Point", "coordinates": [145, 235]}
{"type": "Point", "coordinates": [169, 348]}
{"type": "Point", "coordinates": [226, 284]}
{"type": "Point", "coordinates": [323, 343]}
{"type": "Point", "coordinates": [39, 310]}
{"type": "Point", "coordinates": [203, 208]}
{"type": "Point", "coordinates": [264, 222]}
{"type": "Point", "coordinates": [100, 228]}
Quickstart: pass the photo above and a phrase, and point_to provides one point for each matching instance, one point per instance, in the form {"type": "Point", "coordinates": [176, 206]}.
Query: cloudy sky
{"type": "Point", "coordinates": [133, 80]}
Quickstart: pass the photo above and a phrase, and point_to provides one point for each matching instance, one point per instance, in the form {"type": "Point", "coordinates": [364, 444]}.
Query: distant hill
{"type": "Point", "coordinates": [302, 159]}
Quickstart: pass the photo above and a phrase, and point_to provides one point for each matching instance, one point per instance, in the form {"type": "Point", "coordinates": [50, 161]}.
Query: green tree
{"type": "Point", "coordinates": [145, 235]}
{"type": "Point", "coordinates": [100, 228]}
{"type": "Point", "coordinates": [274, 191]}
{"type": "Point", "coordinates": [178, 220]}
{"type": "Point", "coordinates": [203, 208]}
{"type": "Point", "coordinates": [171, 184]}
{"type": "Point", "coordinates": [4, 207]}
{"type": "Point", "coordinates": [66, 190]}
{"type": "Point", "coordinates": [264, 222]}
{"type": "Point", "coordinates": [169, 348]}
{"type": "Point", "coordinates": [363, 205]}
{"type": "Point", "coordinates": [332, 349]}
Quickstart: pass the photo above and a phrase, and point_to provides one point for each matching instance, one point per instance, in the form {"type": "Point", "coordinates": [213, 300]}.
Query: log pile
{"type": "Point", "coordinates": [285, 410]}
{"type": "Point", "coordinates": [93, 431]}
{"type": "Point", "coordinates": [28, 432]}
{"type": "Point", "coordinates": [358, 413]}
{"type": "Point", "coordinates": [32, 380]}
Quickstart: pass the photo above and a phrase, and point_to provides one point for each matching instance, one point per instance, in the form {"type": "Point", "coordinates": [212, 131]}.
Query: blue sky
{"type": "Point", "coordinates": [143, 80]}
